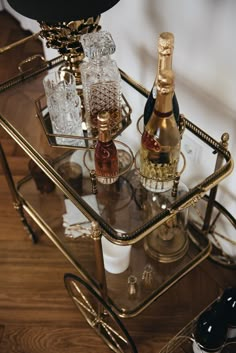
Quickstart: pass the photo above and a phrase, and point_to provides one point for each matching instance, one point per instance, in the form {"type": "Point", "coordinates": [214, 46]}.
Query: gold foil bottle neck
{"type": "Point", "coordinates": [103, 121]}
{"type": "Point", "coordinates": [104, 134]}
{"type": "Point", "coordinates": [166, 81]}
{"type": "Point", "coordinates": [166, 43]}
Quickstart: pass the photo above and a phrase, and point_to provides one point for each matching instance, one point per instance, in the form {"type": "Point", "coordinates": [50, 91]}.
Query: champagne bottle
{"type": "Point", "coordinates": [228, 302]}
{"type": "Point", "coordinates": [210, 332]}
{"type": "Point", "coordinates": [165, 53]}
{"type": "Point", "coordinates": [160, 142]}
{"type": "Point", "coordinates": [106, 158]}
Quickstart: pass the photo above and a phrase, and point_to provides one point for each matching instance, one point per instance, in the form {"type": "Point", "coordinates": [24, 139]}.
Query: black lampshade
{"type": "Point", "coordinates": [61, 10]}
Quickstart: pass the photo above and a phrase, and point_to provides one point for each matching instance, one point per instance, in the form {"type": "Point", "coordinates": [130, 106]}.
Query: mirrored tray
{"type": "Point", "coordinates": [73, 141]}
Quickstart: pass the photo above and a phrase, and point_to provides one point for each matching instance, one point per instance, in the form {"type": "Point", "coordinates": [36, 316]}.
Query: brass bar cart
{"type": "Point", "coordinates": [101, 297]}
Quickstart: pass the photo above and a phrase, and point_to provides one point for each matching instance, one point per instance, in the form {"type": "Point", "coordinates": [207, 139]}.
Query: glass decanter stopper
{"type": "Point", "coordinates": [106, 157]}
{"type": "Point", "coordinates": [148, 277]}
{"type": "Point", "coordinates": [132, 286]}
{"type": "Point", "coordinates": [101, 81]}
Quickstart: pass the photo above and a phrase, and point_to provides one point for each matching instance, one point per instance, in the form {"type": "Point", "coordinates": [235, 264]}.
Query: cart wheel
{"type": "Point", "coordinates": [221, 228]}
{"type": "Point", "coordinates": [99, 315]}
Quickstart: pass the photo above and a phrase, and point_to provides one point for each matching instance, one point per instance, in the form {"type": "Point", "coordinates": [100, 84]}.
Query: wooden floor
{"type": "Point", "coordinates": [36, 313]}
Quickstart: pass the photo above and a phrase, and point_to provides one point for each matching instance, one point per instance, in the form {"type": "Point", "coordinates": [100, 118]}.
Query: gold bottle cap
{"type": "Point", "coordinates": [166, 43]}
{"type": "Point", "coordinates": [103, 121]}
{"type": "Point", "coordinates": [165, 83]}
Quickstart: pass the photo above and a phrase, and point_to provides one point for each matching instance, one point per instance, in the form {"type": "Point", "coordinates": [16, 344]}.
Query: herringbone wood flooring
{"type": "Point", "coordinates": [36, 314]}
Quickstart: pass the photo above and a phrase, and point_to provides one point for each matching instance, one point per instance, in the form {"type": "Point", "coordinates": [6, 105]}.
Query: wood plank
{"type": "Point", "coordinates": [18, 339]}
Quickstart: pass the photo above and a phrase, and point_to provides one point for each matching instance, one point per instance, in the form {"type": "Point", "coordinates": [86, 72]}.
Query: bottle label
{"type": "Point", "coordinates": [231, 332]}
{"type": "Point", "coordinates": [150, 142]}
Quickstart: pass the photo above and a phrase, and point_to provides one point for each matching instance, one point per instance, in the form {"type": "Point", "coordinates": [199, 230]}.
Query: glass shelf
{"type": "Point", "coordinates": [51, 207]}
{"type": "Point", "coordinates": [28, 87]}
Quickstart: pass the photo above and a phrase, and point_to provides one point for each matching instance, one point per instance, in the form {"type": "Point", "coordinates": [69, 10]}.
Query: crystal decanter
{"type": "Point", "coordinates": [101, 81]}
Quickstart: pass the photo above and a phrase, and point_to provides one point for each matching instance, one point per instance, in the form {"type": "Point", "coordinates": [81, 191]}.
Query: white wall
{"type": "Point", "coordinates": [204, 63]}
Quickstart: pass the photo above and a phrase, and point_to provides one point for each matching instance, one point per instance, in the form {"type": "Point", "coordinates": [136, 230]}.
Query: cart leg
{"type": "Point", "coordinates": [17, 202]}
{"type": "Point", "coordinates": [206, 225]}
{"type": "Point", "coordinates": [101, 276]}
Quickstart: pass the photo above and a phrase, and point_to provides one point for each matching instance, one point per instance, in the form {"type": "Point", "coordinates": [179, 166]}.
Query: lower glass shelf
{"type": "Point", "coordinates": [50, 207]}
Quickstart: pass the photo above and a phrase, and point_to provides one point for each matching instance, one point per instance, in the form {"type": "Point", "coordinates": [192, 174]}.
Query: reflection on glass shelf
{"type": "Point", "coordinates": [52, 208]}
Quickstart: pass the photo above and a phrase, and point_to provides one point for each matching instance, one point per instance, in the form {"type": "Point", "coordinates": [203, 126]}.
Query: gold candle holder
{"type": "Point", "coordinates": [65, 37]}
